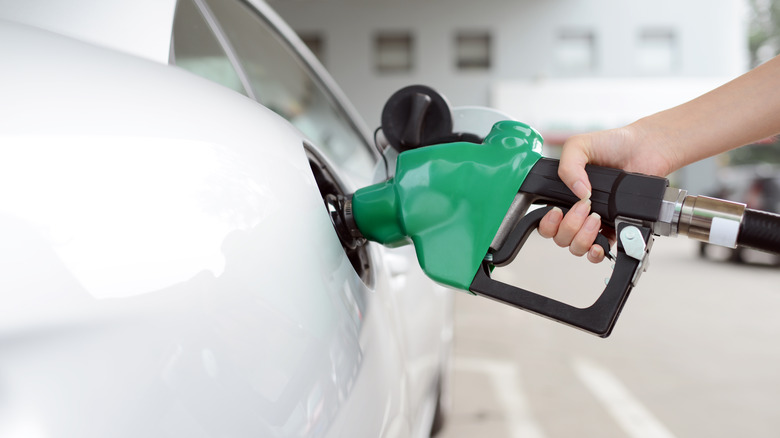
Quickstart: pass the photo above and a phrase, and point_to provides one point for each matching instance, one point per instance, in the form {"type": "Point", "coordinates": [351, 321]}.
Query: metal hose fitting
{"type": "Point", "coordinates": [711, 220]}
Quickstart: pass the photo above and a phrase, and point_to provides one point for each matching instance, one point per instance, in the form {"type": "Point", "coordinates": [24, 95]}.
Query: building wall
{"type": "Point", "coordinates": [711, 36]}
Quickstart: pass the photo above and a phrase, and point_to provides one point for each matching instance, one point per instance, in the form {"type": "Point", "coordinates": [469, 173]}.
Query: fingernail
{"type": "Point", "coordinates": [557, 217]}
{"type": "Point", "coordinates": [596, 252]}
{"type": "Point", "coordinates": [582, 208]}
{"type": "Point", "coordinates": [581, 190]}
{"type": "Point", "coordinates": [593, 222]}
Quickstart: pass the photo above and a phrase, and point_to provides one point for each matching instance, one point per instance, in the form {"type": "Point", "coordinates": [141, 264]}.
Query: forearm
{"type": "Point", "coordinates": [740, 112]}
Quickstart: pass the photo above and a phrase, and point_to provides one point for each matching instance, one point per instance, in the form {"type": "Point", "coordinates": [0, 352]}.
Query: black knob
{"type": "Point", "coordinates": [416, 116]}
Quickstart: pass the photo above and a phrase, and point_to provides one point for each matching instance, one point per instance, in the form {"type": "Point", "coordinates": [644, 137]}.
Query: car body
{"type": "Point", "coordinates": [167, 266]}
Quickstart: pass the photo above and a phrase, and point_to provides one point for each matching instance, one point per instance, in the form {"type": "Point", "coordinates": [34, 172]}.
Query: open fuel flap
{"type": "Point", "coordinates": [333, 196]}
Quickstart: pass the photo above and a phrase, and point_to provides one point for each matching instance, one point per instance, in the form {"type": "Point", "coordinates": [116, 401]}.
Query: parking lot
{"type": "Point", "coordinates": [695, 353]}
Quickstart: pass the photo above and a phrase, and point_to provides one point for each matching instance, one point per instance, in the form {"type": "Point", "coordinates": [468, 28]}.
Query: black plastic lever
{"type": "Point", "coordinates": [516, 239]}
{"type": "Point", "coordinates": [615, 192]}
{"type": "Point", "coordinates": [412, 135]}
{"type": "Point", "coordinates": [598, 319]}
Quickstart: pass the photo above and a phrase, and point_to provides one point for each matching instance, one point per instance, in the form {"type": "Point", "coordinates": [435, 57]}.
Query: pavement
{"type": "Point", "coordinates": [695, 353]}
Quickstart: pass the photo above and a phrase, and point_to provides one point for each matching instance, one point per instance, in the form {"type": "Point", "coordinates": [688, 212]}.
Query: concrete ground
{"type": "Point", "coordinates": [696, 353]}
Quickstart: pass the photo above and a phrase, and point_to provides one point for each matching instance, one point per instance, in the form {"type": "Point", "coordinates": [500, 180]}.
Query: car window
{"type": "Point", "coordinates": [280, 81]}
{"type": "Point", "coordinates": [196, 48]}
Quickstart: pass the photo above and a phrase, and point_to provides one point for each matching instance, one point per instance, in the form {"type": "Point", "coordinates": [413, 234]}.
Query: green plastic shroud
{"type": "Point", "coordinates": [450, 199]}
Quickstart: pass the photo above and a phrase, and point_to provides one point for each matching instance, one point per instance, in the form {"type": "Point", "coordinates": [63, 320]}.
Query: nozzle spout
{"type": "Point", "coordinates": [340, 210]}
{"type": "Point", "coordinates": [376, 214]}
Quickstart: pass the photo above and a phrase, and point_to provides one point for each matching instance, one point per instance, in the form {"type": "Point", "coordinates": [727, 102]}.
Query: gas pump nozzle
{"type": "Point", "coordinates": [465, 206]}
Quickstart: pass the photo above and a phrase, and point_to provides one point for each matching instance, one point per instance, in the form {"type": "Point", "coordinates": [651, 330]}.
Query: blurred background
{"type": "Point", "coordinates": [563, 66]}
{"type": "Point", "coordinates": [695, 351]}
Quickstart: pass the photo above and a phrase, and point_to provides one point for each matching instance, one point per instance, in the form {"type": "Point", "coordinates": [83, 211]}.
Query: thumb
{"type": "Point", "coordinates": [571, 169]}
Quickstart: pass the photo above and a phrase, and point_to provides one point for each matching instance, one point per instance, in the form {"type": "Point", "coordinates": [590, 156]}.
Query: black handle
{"type": "Point", "coordinates": [614, 192]}
{"type": "Point", "coordinates": [760, 230]}
{"type": "Point", "coordinates": [598, 319]}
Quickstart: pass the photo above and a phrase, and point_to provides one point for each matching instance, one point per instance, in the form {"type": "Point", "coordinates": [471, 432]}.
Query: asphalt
{"type": "Point", "coordinates": [696, 352]}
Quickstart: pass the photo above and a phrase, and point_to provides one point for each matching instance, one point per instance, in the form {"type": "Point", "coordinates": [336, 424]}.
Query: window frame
{"type": "Point", "coordinates": [467, 64]}
{"type": "Point", "coordinates": [645, 37]}
{"type": "Point", "coordinates": [574, 34]}
{"type": "Point", "coordinates": [315, 42]}
{"type": "Point", "coordinates": [387, 37]}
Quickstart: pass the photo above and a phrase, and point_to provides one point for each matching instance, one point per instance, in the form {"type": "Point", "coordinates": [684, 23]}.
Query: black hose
{"type": "Point", "coordinates": [760, 230]}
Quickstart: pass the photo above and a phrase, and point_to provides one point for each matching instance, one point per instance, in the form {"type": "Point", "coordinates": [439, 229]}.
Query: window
{"type": "Point", "coordinates": [277, 78]}
{"type": "Point", "coordinates": [575, 52]}
{"type": "Point", "coordinates": [393, 52]}
{"type": "Point", "coordinates": [472, 50]}
{"type": "Point", "coordinates": [656, 52]}
{"type": "Point", "coordinates": [314, 42]}
{"type": "Point", "coordinates": [196, 48]}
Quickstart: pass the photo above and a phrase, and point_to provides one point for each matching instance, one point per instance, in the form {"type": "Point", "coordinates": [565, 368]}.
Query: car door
{"type": "Point", "coordinates": [230, 43]}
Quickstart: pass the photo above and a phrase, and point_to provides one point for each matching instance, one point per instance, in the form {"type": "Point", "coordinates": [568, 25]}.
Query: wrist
{"type": "Point", "coordinates": [658, 147]}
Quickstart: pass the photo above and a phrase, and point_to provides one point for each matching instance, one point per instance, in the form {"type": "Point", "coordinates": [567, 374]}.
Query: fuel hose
{"type": "Point", "coordinates": [760, 230]}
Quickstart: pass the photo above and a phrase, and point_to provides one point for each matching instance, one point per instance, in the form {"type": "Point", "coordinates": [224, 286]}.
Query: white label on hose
{"type": "Point", "coordinates": [724, 232]}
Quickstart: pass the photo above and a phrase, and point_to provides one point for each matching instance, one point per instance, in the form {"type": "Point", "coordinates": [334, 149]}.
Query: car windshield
{"type": "Point", "coordinates": [196, 48]}
{"type": "Point", "coordinates": [272, 74]}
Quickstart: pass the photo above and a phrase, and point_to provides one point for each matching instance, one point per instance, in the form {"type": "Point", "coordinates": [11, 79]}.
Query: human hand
{"type": "Point", "coordinates": [629, 148]}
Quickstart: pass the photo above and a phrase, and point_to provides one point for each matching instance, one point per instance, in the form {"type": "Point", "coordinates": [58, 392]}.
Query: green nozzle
{"type": "Point", "coordinates": [450, 200]}
{"type": "Point", "coordinates": [379, 213]}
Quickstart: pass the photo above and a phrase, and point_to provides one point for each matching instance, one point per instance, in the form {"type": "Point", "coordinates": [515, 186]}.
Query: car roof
{"type": "Point", "coordinates": [138, 27]}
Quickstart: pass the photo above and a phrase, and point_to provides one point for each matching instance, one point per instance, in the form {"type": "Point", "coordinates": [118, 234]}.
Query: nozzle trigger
{"type": "Point", "coordinates": [517, 237]}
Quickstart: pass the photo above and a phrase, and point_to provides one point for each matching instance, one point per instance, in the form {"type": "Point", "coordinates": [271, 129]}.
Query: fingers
{"type": "Point", "coordinates": [571, 169]}
{"type": "Point", "coordinates": [577, 230]}
{"type": "Point", "coordinates": [571, 225]}
{"type": "Point", "coordinates": [596, 254]}
{"type": "Point", "coordinates": [548, 226]}
{"type": "Point", "coordinates": [583, 240]}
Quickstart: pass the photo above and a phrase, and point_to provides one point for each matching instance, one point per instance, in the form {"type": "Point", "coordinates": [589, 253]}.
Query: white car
{"type": "Point", "coordinates": [167, 264]}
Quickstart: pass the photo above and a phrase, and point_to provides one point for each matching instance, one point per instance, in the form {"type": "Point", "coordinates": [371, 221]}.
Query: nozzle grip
{"type": "Point", "coordinates": [598, 319]}
{"type": "Point", "coordinates": [614, 192]}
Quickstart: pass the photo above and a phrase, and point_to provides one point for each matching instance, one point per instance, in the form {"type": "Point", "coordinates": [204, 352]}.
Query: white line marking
{"type": "Point", "coordinates": [629, 413]}
{"type": "Point", "coordinates": [505, 380]}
